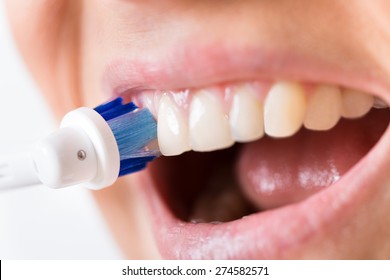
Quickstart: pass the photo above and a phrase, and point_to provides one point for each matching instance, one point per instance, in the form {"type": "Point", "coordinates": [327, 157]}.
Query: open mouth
{"type": "Point", "coordinates": [285, 161]}
{"type": "Point", "coordinates": [267, 159]}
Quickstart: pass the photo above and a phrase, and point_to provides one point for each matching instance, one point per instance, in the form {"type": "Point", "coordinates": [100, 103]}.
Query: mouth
{"type": "Point", "coordinates": [262, 168]}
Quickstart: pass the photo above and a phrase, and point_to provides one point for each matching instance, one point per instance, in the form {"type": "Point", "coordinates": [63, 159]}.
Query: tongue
{"type": "Point", "coordinates": [276, 172]}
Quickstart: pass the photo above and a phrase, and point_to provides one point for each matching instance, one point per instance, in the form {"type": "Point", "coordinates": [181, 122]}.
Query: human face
{"type": "Point", "coordinates": [289, 190]}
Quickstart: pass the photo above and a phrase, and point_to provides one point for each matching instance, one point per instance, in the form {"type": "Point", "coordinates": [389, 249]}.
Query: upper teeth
{"type": "Point", "coordinates": [355, 103]}
{"type": "Point", "coordinates": [246, 115]}
{"type": "Point", "coordinates": [324, 108]}
{"type": "Point", "coordinates": [209, 125]}
{"type": "Point", "coordinates": [172, 126]}
{"type": "Point", "coordinates": [211, 119]}
{"type": "Point", "coordinates": [284, 109]}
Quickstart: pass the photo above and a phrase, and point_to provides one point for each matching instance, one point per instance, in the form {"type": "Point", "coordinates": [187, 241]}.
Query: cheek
{"type": "Point", "coordinates": [46, 33]}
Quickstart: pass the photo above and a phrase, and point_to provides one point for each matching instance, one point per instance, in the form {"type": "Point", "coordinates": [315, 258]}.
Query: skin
{"type": "Point", "coordinates": [68, 44]}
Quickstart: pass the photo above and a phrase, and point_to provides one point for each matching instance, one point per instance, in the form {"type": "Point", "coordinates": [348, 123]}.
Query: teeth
{"type": "Point", "coordinates": [355, 103]}
{"type": "Point", "coordinates": [246, 115]}
{"type": "Point", "coordinates": [379, 103]}
{"type": "Point", "coordinates": [205, 126]}
{"type": "Point", "coordinates": [284, 109]}
{"type": "Point", "coordinates": [209, 125]}
{"type": "Point", "coordinates": [172, 130]}
{"type": "Point", "coordinates": [323, 109]}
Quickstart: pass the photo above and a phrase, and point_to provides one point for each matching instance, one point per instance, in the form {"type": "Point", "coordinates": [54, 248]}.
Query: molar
{"type": "Point", "coordinates": [172, 129]}
{"type": "Point", "coordinates": [379, 103]}
{"type": "Point", "coordinates": [209, 125]}
{"type": "Point", "coordinates": [284, 109]}
{"type": "Point", "coordinates": [323, 108]}
{"type": "Point", "coordinates": [246, 115]}
{"type": "Point", "coordinates": [355, 103]}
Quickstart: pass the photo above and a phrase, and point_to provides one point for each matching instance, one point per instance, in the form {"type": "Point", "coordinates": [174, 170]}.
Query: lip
{"type": "Point", "coordinates": [218, 65]}
{"type": "Point", "coordinates": [272, 234]}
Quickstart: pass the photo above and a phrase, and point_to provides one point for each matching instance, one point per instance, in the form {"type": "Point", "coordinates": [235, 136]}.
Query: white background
{"type": "Point", "coordinates": [40, 223]}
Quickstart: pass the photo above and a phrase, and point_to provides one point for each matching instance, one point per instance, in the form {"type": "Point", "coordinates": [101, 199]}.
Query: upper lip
{"type": "Point", "coordinates": [205, 65]}
{"type": "Point", "coordinates": [278, 232]}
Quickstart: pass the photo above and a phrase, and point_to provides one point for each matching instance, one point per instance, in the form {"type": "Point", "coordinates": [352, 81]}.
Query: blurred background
{"type": "Point", "coordinates": [37, 222]}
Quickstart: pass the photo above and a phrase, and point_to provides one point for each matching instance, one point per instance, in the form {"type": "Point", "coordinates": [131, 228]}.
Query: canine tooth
{"type": "Point", "coordinates": [209, 125]}
{"type": "Point", "coordinates": [355, 103]}
{"type": "Point", "coordinates": [284, 109]}
{"type": "Point", "coordinates": [323, 108]}
{"type": "Point", "coordinates": [172, 130]}
{"type": "Point", "coordinates": [246, 115]}
{"type": "Point", "coordinates": [379, 103]}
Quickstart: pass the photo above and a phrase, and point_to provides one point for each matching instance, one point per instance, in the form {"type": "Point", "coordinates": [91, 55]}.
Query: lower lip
{"type": "Point", "coordinates": [287, 232]}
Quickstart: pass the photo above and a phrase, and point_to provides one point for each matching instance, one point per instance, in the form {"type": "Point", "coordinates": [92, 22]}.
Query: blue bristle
{"type": "Point", "coordinates": [110, 105]}
{"type": "Point", "coordinates": [134, 164]}
{"type": "Point", "coordinates": [133, 129]}
{"type": "Point", "coordinates": [118, 111]}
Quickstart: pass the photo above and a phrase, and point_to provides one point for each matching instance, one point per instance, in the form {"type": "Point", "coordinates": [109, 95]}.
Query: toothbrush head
{"type": "Point", "coordinates": [135, 131]}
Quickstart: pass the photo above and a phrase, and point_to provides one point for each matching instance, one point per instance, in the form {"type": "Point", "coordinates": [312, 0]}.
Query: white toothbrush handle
{"type": "Point", "coordinates": [17, 171]}
{"type": "Point", "coordinates": [83, 151]}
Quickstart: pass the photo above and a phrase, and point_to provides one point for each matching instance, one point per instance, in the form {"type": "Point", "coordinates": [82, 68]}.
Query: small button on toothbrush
{"type": "Point", "coordinates": [92, 148]}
